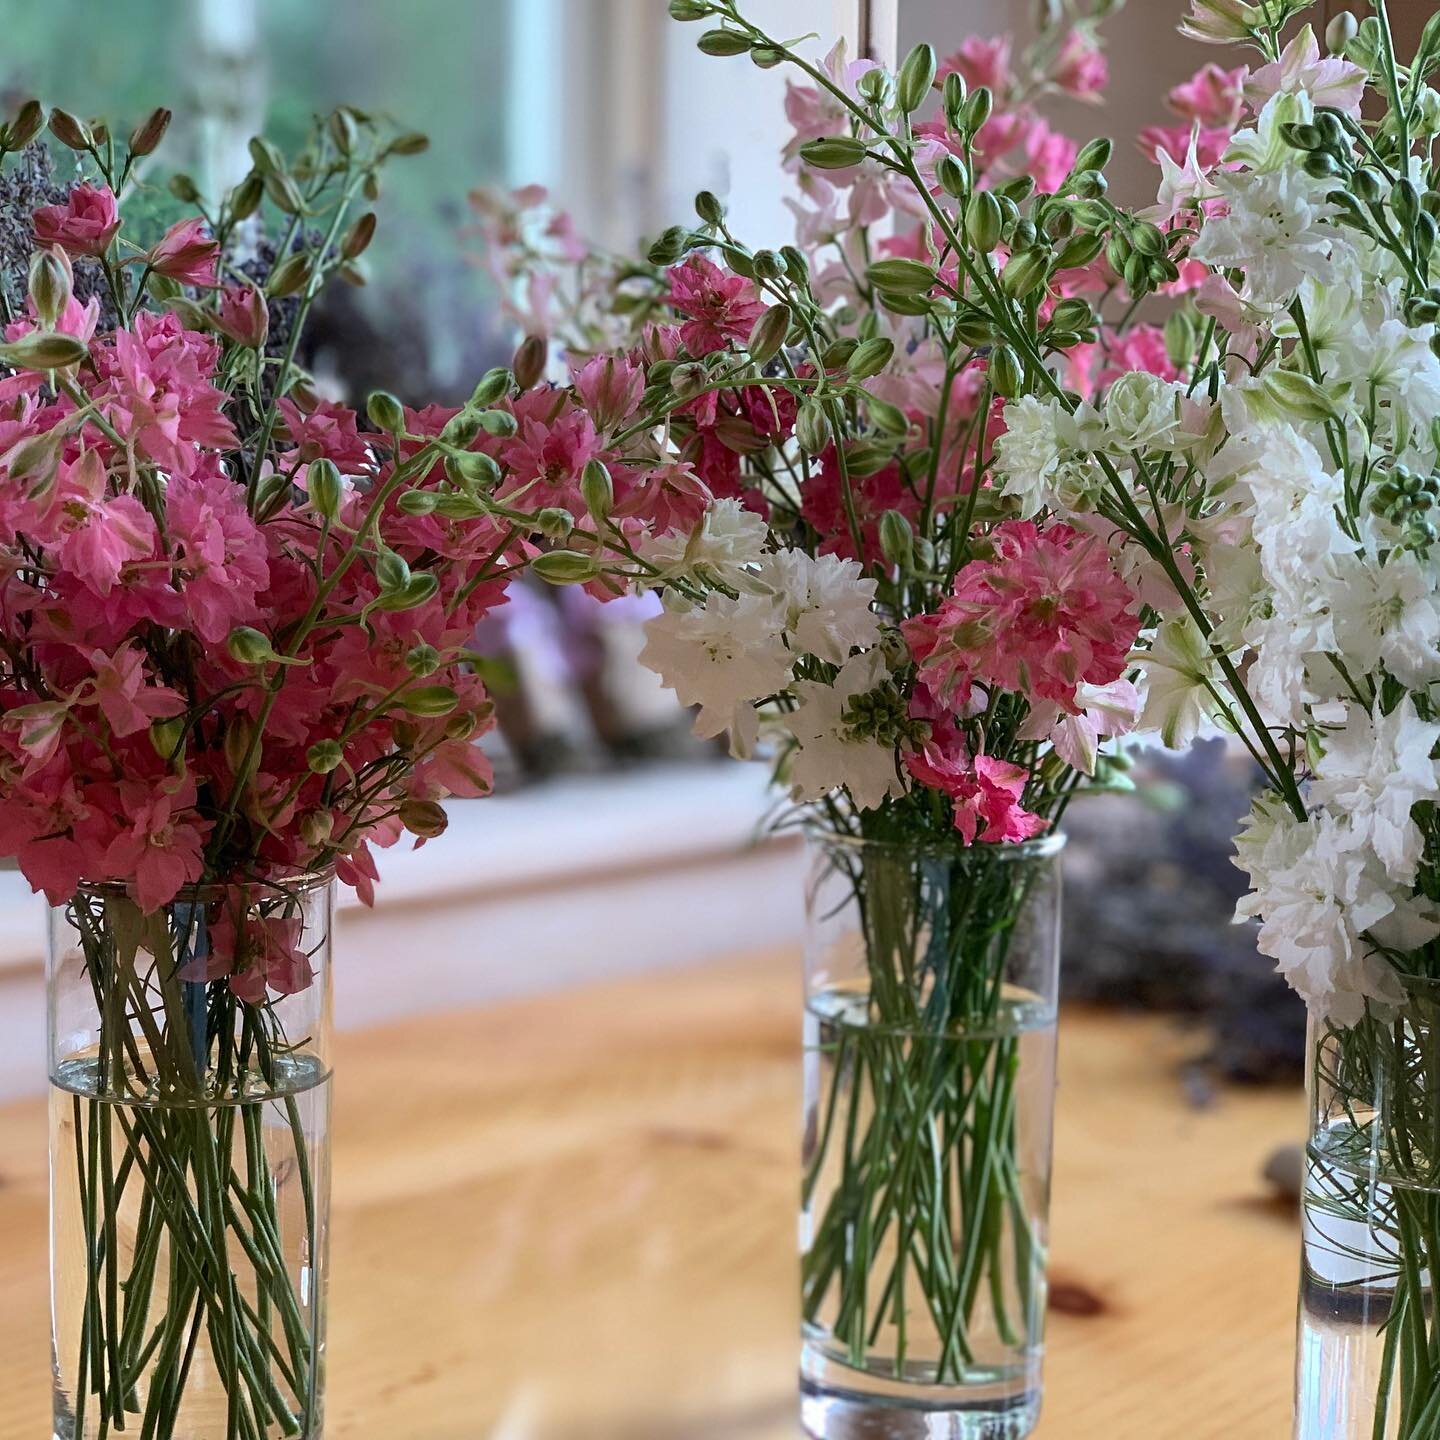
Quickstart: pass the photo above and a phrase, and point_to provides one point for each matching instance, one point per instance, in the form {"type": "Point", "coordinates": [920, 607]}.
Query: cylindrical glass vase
{"type": "Point", "coordinates": [931, 980]}
{"type": "Point", "coordinates": [1368, 1353]}
{"type": "Point", "coordinates": [189, 1150]}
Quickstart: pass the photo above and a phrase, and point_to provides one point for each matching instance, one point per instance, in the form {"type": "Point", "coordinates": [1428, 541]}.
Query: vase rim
{"type": "Point", "coordinates": [291, 882]}
{"type": "Point", "coordinates": [1043, 847]}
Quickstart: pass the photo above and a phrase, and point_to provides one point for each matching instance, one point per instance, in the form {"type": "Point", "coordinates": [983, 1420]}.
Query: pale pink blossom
{"type": "Point", "coordinates": [1331, 80]}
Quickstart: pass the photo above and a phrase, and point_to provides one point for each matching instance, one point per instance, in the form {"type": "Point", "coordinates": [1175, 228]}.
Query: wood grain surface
{"type": "Point", "coordinates": [571, 1218]}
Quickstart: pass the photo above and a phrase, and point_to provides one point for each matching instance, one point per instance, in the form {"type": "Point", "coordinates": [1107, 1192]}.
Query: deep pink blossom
{"type": "Point", "coordinates": [722, 306]}
{"type": "Point", "coordinates": [218, 552]}
{"type": "Point", "coordinates": [260, 957]}
{"type": "Point", "coordinates": [329, 430]}
{"type": "Point", "coordinates": [84, 225]}
{"type": "Point", "coordinates": [1044, 614]}
{"type": "Point", "coordinates": [127, 702]}
{"type": "Point", "coordinates": [158, 851]}
{"type": "Point", "coordinates": [96, 533]}
{"type": "Point", "coordinates": [554, 443]}
{"type": "Point", "coordinates": [244, 315]}
{"type": "Point", "coordinates": [610, 388]}
{"type": "Point", "coordinates": [186, 253]}
{"type": "Point", "coordinates": [985, 793]}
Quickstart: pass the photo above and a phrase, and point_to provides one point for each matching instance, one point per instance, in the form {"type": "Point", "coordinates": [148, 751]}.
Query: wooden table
{"type": "Point", "coordinates": [571, 1218]}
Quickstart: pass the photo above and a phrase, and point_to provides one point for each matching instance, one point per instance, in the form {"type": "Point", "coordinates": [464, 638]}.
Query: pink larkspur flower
{"type": "Point", "coordinates": [551, 448]}
{"type": "Point", "coordinates": [186, 253]}
{"type": "Point", "coordinates": [1046, 614]}
{"type": "Point", "coordinates": [159, 849]}
{"type": "Point", "coordinates": [981, 61]}
{"type": "Point", "coordinates": [260, 957]}
{"type": "Point", "coordinates": [721, 306]}
{"type": "Point", "coordinates": [329, 431]}
{"type": "Point", "coordinates": [985, 793]}
{"type": "Point", "coordinates": [84, 225]}
{"type": "Point", "coordinates": [1080, 68]}
{"type": "Point", "coordinates": [1212, 97]}
{"type": "Point", "coordinates": [98, 534]}
{"type": "Point", "coordinates": [218, 551]}
{"type": "Point", "coordinates": [1332, 80]}
{"type": "Point", "coordinates": [127, 702]}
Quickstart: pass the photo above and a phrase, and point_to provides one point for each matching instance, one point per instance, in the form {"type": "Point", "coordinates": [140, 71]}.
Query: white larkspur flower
{"type": "Point", "coordinates": [1374, 770]}
{"type": "Point", "coordinates": [825, 602]}
{"type": "Point", "coordinates": [1028, 454]}
{"type": "Point", "coordinates": [1318, 897]}
{"type": "Point", "coordinates": [1393, 362]}
{"type": "Point", "coordinates": [728, 541]}
{"type": "Point", "coordinates": [722, 656]}
{"type": "Point", "coordinates": [1386, 615]}
{"type": "Point", "coordinates": [1142, 411]}
{"type": "Point", "coordinates": [831, 753]}
{"type": "Point", "coordinates": [1279, 229]}
{"type": "Point", "coordinates": [1179, 671]}
{"type": "Point", "coordinates": [1293, 496]}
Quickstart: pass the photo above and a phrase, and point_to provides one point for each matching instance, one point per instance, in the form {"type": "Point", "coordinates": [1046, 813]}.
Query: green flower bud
{"type": "Point", "coordinates": [888, 419]}
{"type": "Point", "coordinates": [897, 539]}
{"type": "Point", "coordinates": [1179, 338]}
{"type": "Point", "coordinates": [669, 246]}
{"type": "Point", "coordinates": [429, 701]}
{"type": "Point", "coordinates": [953, 177]}
{"type": "Point", "coordinates": [1005, 374]}
{"type": "Point", "coordinates": [983, 221]}
{"type": "Point", "coordinates": [915, 79]}
{"type": "Point", "coordinates": [767, 265]}
{"type": "Point", "coordinates": [391, 570]}
{"type": "Point", "coordinates": [1405, 201]}
{"type": "Point", "coordinates": [417, 502]}
{"type": "Point", "coordinates": [689, 10]}
{"type": "Point", "coordinates": [51, 284]}
{"type": "Point", "coordinates": [554, 523]}
{"type": "Point", "coordinates": [324, 756]}
{"type": "Point", "coordinates": [325, 487]}
{"type": "Point", "coordinates": [797, 267]}
{"type": "Point", "coordinates": [500, 423]}
{"type": "Point", "coordinates": [812, 429]}
{"type": "Point", "coordinates": [768, 334]}
{"type": "Point", "coordinates": [709, 208]}
{"type": "Point", "coordinates": [1072, 313]}
{"type": "Point", "coordinates": [838, 152]}
{"type": "Point", "coordinates": [1089, 185]}
{"type": "Point", "coordinates": [1094, 156]}
{"type": "Point", "coordinates": [901, 277]}
{"type": "Point", "coordinates": [564, 567]}
{"type": "Point", "coordinates": [250, 646]}
{"type": "Point", "coordinates": [1365, 183]}
{"type": "Point", "coordinates": [976, 110]}
{"type": "Point", "coordinates": [417, 590]}
{"type": "Point", "coordinates": [290, 276]}
{"type": "Point", "coordinates": [316, 828]}
{"type": "Point", "coordinates": [493, 384]}
{"type": "Point", "coordinates": [871, 358]}
{"type": "Point", "coordinates": [952, 99]}
{"type": "Point", "coordinates": [461, 428]}
{"type": "Point", "coordinates": [723, 42]}
{"type": "Point", "coordinates": [44, 350]}
{"type": "Point", "coordinates": [1023, 273]}
{"type": "Point", "coordinates": [597, 489]}
{"type": "Point", "coordinates": [1340, 32]}
{"type": "Point", "coordinates": [166, 736]}
{"type": "Point", "coordinates": [385, 412]}
{"type": "Point", "coordinates": [767, 57]}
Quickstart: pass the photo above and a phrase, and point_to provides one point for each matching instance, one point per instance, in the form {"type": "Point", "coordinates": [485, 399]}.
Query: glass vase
{"type": "Point", "coordinates": [1368, 1352]}
{"type": "Point", "coordinates": [931, 980]}
{"type": "Point", "coordinates": [189, 1149]}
